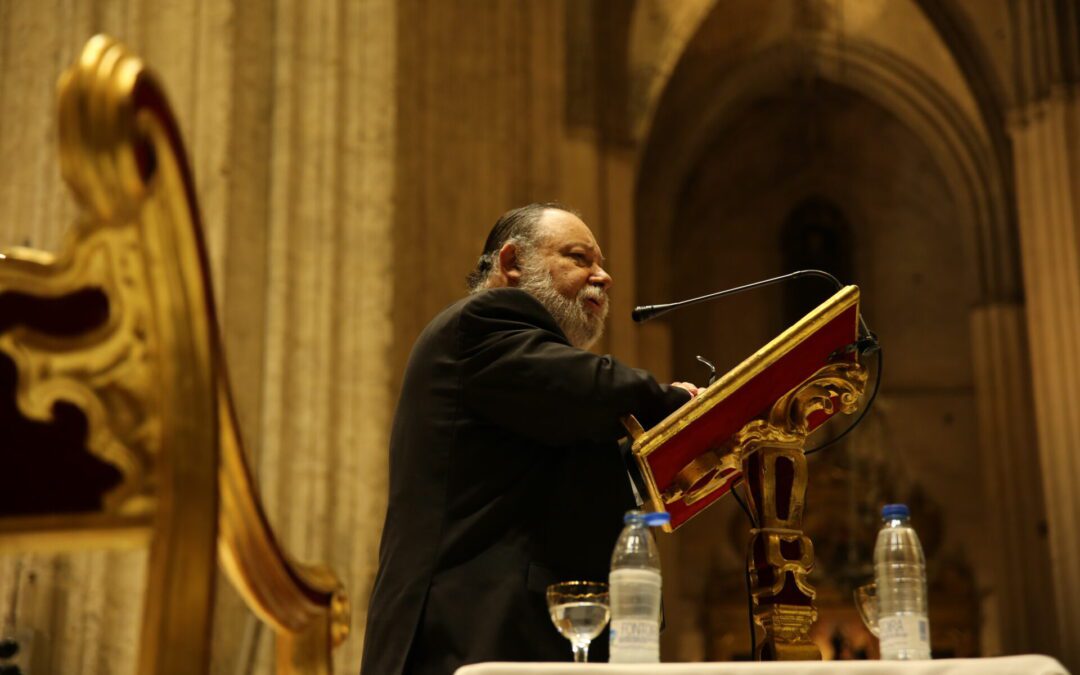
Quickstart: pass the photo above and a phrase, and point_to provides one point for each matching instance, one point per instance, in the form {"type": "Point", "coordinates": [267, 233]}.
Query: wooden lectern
{"type": "Point", "coordinates": [751, 425]}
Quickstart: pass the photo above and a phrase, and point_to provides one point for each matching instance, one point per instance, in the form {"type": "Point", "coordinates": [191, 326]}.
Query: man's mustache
{"type": "Point", "coordinates": [593, 293]}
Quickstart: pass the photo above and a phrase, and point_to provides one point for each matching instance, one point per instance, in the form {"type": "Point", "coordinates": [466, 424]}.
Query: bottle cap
{"type": "Point", "coordinates": [651, 519]}
{"type": "Point", "coordinates": [657, 518]}
{"type": "Point", "coordinates": [893, 511]}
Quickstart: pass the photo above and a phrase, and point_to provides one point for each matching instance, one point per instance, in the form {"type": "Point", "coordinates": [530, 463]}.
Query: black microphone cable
{"type": "Point", "coordinates": [746, 574]}
{"type": "Point", "coordinates": [866, 408]}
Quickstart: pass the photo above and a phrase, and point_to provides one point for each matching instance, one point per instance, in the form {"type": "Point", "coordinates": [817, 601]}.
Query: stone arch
{"type": "Point", "coordinates": [968, 149]}
{"type": "Point", "coordinates": [659, 33]}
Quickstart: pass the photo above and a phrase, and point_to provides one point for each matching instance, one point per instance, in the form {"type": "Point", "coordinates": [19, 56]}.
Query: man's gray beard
{"type": "Point", "coordinates": [581, 326]}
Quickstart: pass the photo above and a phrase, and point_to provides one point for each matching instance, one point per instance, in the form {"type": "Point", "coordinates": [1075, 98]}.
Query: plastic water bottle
{"type": "Point", "coordinates": [635, 591]}
{"type": "Point", "coordinates": [900, 575]}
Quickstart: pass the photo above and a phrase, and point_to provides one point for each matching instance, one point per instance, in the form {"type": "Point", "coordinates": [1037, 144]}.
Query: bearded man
{"type": "Point", "coordinates": [505, 470]}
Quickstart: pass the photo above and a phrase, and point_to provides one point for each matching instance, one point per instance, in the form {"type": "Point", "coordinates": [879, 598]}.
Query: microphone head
{"type": "Point", "coordinates": [646, 312]}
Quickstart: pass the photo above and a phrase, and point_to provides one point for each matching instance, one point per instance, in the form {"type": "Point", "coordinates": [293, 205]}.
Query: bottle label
{"type": "Point", "coordinates": [906, 632]}
{"type": "Point", "coordinates": [635, 641]}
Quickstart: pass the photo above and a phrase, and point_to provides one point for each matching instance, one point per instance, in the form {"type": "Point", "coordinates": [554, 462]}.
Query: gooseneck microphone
{"type": "Point", "coordinates": [646, 312]}
{"type": "Point", "coordinates": [867, 340]}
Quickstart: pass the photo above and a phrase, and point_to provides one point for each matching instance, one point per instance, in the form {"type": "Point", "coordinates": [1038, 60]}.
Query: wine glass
{"type": "Point", "coordinates": [866, 603]}
{"type": "Point", "coordinates": [580, 610]}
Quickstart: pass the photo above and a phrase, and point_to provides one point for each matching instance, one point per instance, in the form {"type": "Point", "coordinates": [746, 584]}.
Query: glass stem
{"type": "Point", "coordinates": [581, 653]}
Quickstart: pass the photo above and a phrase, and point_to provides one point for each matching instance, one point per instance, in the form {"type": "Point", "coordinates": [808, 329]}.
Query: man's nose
{"type": "Point", "coordinates": [600, 277]}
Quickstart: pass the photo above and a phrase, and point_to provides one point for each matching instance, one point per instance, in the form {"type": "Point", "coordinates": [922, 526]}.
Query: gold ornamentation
{"type": "Point", "coordinates": [633, 427]}
{"type": "Point", "coordinates": [789, 625]}
{"type": "Point", "coordinates": [150, 381]}
{"type": "Point", "coordinates": [842, 382]}
{"type": "Point", "coordinates": [787, 425]}
{"type": "Point", "coordinates": [779, 556]}
{"type": "Point", "coordinates": [702, 476]}
{"type": "Point", "coordinates": [719, 467]}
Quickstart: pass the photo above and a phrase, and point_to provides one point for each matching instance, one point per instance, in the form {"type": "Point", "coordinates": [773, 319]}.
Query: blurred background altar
{"type": "Point", "coordinates": [350, 156]}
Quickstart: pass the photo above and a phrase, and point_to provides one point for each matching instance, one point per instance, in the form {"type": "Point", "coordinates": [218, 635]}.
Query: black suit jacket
{"type": "Point", "coordinates": [505, 476]}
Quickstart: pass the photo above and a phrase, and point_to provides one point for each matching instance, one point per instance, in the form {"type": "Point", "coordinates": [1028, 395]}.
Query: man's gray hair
{"type": "Point", "coordinates": [518, 226]}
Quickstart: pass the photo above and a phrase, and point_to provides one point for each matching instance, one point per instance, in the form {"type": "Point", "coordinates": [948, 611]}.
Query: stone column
{"type": "Point", "coordinates": [1012, 479]}
{"type": "Point", "coordinates": [324, 410]}
{"type": "Point", "coordinates": [1045, 146]}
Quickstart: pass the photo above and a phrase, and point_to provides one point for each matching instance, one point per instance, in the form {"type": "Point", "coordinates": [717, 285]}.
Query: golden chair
{"type": "Point", "coordinates": [116, 423]}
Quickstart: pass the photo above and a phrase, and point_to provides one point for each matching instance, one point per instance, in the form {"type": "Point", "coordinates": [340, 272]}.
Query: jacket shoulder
{"type": "Point", "coordinates": [487, 309]}
{"type": "Point", "coordinates": [505, 299]}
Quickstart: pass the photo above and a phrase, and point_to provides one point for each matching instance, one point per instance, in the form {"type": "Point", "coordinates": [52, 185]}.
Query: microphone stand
{"type": "Point", "coordinates": [867, 341]}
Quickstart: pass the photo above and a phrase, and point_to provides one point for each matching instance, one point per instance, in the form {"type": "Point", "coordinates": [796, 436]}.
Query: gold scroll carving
{"type": "Point", "coordinates": [113, 346]}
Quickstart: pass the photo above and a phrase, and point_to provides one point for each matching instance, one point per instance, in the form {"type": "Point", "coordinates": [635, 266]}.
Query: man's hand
{"type": "Point", "coordinates": [692, 388]}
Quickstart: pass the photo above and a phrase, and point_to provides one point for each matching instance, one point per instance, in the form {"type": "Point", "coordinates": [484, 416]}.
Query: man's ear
{"type": "Point", "coordinates": [510, 264]}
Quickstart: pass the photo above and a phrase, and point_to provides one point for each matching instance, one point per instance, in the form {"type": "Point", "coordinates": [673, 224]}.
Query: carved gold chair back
{"type": "Point", "coordinates": [116, 423]}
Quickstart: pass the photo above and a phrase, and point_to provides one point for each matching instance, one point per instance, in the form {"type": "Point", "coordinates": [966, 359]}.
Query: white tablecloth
{"type": "Point", "coordinates": [1005, 665]}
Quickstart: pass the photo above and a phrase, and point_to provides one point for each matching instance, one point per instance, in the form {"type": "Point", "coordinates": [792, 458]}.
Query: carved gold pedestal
{"type": "Point", "coordinates": [779, 556]}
